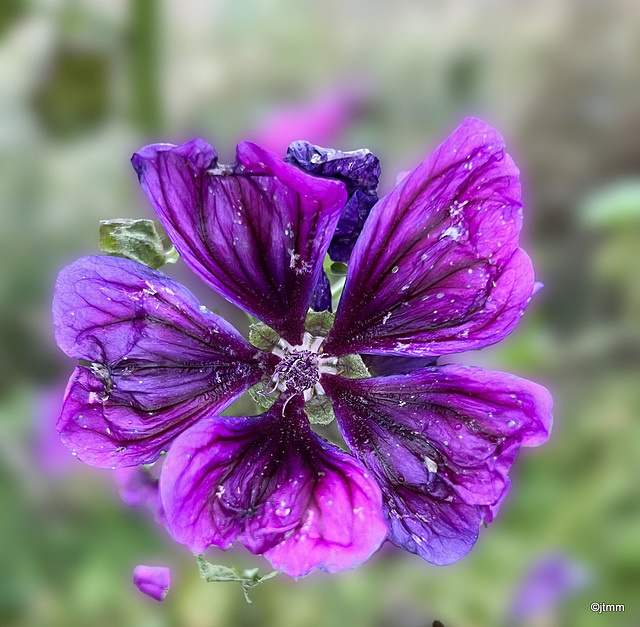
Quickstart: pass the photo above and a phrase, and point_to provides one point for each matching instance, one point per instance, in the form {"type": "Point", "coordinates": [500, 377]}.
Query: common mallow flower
{"type": "Point", "coordinates": [436, 270]}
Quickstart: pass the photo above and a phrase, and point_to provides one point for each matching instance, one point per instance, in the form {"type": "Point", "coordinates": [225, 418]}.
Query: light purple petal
{"type": "Point", "coordinates": [160, 361]}
{"type": "Point", "coordinates": [437, 268]}
{"type": "Point", "coordinates": [257, 231]}
{"type": "Point", "coordinates": [548, 582]}
{"type": "Point", "coordinates": [154, 581]}
{"type": "Point", "coordinates": [139, 488]}
{"type": "Point", "coordinates": [320, 119]}
{"type": "Point", "coordinates": [440, 442]}
{"type": "Point", "coordinates": [273, 484]}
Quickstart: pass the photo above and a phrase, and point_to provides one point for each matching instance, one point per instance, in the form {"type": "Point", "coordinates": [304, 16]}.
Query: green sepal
{"type": "Point", "coordinates": [319, 323]}
{"type": "Point", "coordinates": [263, 337]}
{"type": "Point", "coordinates": [248, 578]}
{"type": "Point", "coordinates": [338, 269]}
{"type": "Point", "coordinates": [319, 410]}
{"type": "Point", "coordinates": [143, 241]}
{"type": "Point", "coordinates": [352, 367]}
{"type": "Point", "coordinates": [262, 394]}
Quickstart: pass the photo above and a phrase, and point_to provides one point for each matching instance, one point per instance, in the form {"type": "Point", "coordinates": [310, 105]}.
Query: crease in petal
{"type": "Point", "coordinates": [275, 486]}
{"type": "Point", "coordinates": [155, 361]}
{"type": "Point", "coordinates": [440, 442]}
{"type": "Point", "coordinates": [256, 231]}
{"type": "Point", "coordinates": [437, 268]}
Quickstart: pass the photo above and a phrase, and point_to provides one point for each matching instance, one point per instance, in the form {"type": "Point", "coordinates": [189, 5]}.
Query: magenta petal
{"type": "Point", "coordinates": [154, 581]}
{"type": "Point", "coordinates": [159, 361]}
{"type": "Point", "coordinates": [440, 441]}
{"type": "Point", "coordinates": [257, 231]}
{"type": "Point", "coordinates": [437, 267]}
{"type": "Point", "coordinates": [273, 484]}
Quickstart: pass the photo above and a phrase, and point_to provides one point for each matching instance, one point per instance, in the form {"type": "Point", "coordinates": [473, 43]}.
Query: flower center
{"type": "Point", "coordinates": [298, 371]}
{"type": "Point", "coordinates": [301, 366]}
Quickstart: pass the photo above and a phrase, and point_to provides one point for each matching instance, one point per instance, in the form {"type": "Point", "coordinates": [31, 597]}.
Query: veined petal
{"type": "Point", "coordinates": [440, 442]}
{"type": "Point", "coordinates": [360, 172]}
{"type": "Point", "coordinates": [437, 268]}
{"type": "Point", "coordinates": [159, 361]}
{"type": "Point", "coordinates": [257, 231]}
{"type": "Point", "coordinates": [273, 484]}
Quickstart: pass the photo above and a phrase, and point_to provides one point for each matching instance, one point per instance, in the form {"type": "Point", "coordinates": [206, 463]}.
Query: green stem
{"type": "Point", "coordinates": [144, 64]}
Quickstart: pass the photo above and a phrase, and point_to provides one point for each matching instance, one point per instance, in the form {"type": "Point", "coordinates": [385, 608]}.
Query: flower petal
{"type": "Point", "coordinates": [154, 581]}
{"type": "Point", "coordinates": [139, 488]}
{"type": "Point", "coordinates": [440, 442]}
{"type": "Point", "coordinates": [273, 484]}
{"type": "Point", "coordinates": [437, 268]}
{"type": "Point", "coordinates": [256, 231]}
{"type": "Point", "coordinates": [384, 365]}
{"type": "Point", "coordinates": [322, 294]}
{"type": "Point", "coordinates": [159, 361]}
{"type": "Point", "coordinates": [359, 170]}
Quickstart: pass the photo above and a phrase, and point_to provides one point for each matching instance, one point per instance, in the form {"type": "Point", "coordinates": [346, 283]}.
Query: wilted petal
{"type": "Point", "coordinates": [159, 360]}
{"type": "Point", "coordinates": [273, 484]}
{"type": "Point", "coordinates": [440, 442]}
{"type": "Point", "coordinates": [257, 231]}
{"type": "Point", "coordinates": [360, 172]}
{"type": "Point", "coordinates": [154, 581]}
{"type": "Point", "coordinates": [437, 268]}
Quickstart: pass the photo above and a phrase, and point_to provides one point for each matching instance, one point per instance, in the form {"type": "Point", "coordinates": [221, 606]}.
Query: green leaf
{"type": "Point", "coordinates": [615, 205]}
{"type": "Point", "coordinates": [143, 241]}
{"type": "Point", "coordinates": [248, 578]}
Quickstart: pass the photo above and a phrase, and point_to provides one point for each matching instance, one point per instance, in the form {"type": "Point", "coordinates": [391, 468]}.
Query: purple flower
{"type": "Point", "coordinates": [548, 582]}
{"type": "Point", "coordinates": [139, 488]}
{"type": "Point", "coordinates": [436, 270]}
{"type": "Point", "coordinates": [154, 581]}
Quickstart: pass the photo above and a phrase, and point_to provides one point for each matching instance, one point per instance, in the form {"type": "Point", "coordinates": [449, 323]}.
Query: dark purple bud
{"type": "Point", "coordinates": [359, 170]}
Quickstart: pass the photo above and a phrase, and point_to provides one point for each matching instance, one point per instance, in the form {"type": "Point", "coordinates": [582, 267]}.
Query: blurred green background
{"type": "Point", "coordinates": [84, 83]}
